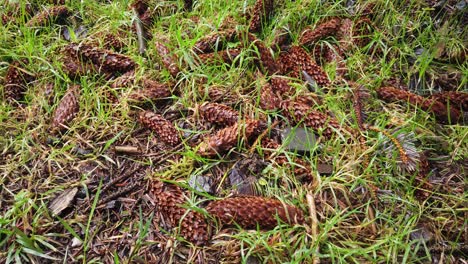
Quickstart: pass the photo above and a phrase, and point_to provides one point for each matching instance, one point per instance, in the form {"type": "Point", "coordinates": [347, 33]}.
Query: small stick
{"type": "Point", "coordinates": [132, 150]}
{"type": "Point", "coordinates": [314, 222]}
{"type": "Point", "coordinates": [140, 33]}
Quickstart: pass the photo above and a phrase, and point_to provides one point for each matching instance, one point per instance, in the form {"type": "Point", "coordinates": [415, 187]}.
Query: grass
{"type": "Point", "coordinates": [362, 212]}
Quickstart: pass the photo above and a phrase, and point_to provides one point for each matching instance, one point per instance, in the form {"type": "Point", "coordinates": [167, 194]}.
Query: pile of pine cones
{"type": "Point", "coordinates": [293, 62]}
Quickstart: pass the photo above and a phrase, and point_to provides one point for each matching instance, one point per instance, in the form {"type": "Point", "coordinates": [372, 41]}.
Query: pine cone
{"type": "Point", "coordinates": [458, 99]}
{"type": "Point", "coordinates": [390, 94]}
{"type": "Point", "coordinates": [151, 91]}
{"type": "Point", "coordinates": [298, 112]}
{"type": "Point", "coordinates": [268, 99]}
{"type": "Point", "coordinates": [74, 68]}
{"type": "Point", "coordinates": [250, 211]}
{"type": "Point", "coordinates": [219, 114]}
{"type": "Point", "coordinates": [125, 80]}
{"type": "Point", "coordinates": [323, 30]}
{"type": "Point", "coordinates": [297, 60]}
{"type": "Point", "coordinates": [105, 60]}
{"type": "Point", "coordinates": [67, 109]}
{"type": "Point", "coordinates": [263, 9]}
{"type": "Point", "coordinates": [16, 81]}
{"type": "Point", "coordinates": [188, 4]}
{"type": "Point", "coordinates": [345, 34]}
{"type": "Point", "coordinates": [281, 41]}
{"type": "Point", "coordinates": [113, 41]}
{"type": "Point", "coordinates": [164, 129]}
{"type": "Point", "coordinates": [170, 200]}
{"type": "Point", "coordinates": [169, 61]}
{"type": "Point", "coordinates": [280, 85]}
{"type": "Point", "coordinates": [227, 138]}
{"type": "Point", "coordinates": [362, 31]}
{"type": "Point", "coordinates": [210, 43]}
{"type": "Point", "coordinates": [265, 59]}
{"type": "Point", "coordinates": [226, 56]}
{"type": "Point", "coordinates": [51, 15]}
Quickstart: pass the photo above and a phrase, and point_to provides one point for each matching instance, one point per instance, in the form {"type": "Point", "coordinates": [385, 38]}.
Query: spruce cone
{"type": "Point", "coordinates": [170, 200]}
{"type": "Point", "coordinates": [210, 43]}
{"type": "Point", "coordinates": [263, 9]}
{"type": "Point", "coordinates": [268, 99]}
{"type": "Point", "coordinates": [74, 68]}
{"type": "Point", "coordinates": [226, 56]}
{"type": "Point", "coordinates": [281, 41]}
{"type": "Point", "coordinates": [105, 60]}
{"type": "Point", "coordinates": [164, 129]}
{"type": "Point", "coordinates": [67, 109]}
{"type": "Point", "coordinates": [298, 112]}
{"type": "Point", "coordinates": [265, 59]}
{"type": "Point", "coordinates": [16, 81]}
{"type": "Point", "coordinates": [323, 30]}
{"type": "Point", "coordinates": [345, 34]}
{"type": "Point", "coordinates": [280, 85]}
{"type": "Point", "coordinates": [219, 114]}
{"type": "Point", "coordinates": [390, 94]}
{"type": "Point", "coordinates": [125, 80]}
{"type": "Point", "coordinates": [151, 91]}
{"type": "Point", "coordinates": [250, 211]}
{"type": "Point", "coordinates": [227, 138]}
{"type": "Point", "coordinates": [113, 41]}
{"type": "Point", "coordinates": [458, 99]}
{"type": "Point", "coordinates": [361, 32]}
{"type": "Point", "coordinates": [188, 4]}
{"type": "Point", "coordinates": [50, 15]}
{"type": "Point", "coordinates": [297, 60]}
{"type": "Point", "coordinates": [169, 61]}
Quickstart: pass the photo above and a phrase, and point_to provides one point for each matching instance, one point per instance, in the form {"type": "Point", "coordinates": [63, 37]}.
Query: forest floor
{"type": "Point", "coordinates": [233, 131]}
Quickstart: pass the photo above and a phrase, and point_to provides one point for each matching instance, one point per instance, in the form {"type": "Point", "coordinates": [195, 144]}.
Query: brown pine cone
{"type": "Point", "coordinates": [125, 80]}
{"type": "Point", "coordinates": [362, 31]}
{"type": "Point", "coordinates": [265, 61]}
{"type": "Point", "coordinates": [323, 30]}
{"type": "Point", "coordinates": [458, 99]}
{"type": "Point", "coordinates": [219, 114]}
{"type": "Point", "coordinates": [250, 211]}
{"type": "Point", "coordinates": [113, 41]}
{"type": "Point", "coordinates": [16, 81]}
{"type": "Point", "coordinates": [74, 68]}
{"type": "Point", "coordinates": [297, 60]}
{"type": "Point", "coordinates": [151, 91]}
{"type": "Point", "coordinates": [227, 138]}
{"type": "Point", "coordinates": [67, 109]}
{"type": "Point", "coordinates": [211, 42]}
{"type": "Point", "coordinates": [51, 15]}
{"type": "Point", "coordinates": [345, 34]}
{"type": "Point", "coordinates": [170, 200]}
{"type": "Point", "coordinates": [104, 60]}
{"type": "Point", "coordinates": [188, 4]}
{"type": "Point", "coordinates": [280, 85]}
{"type": "Point", "coordinates": [390, 94]}
{"type": "Point", "coordinates": [163, 129]}
{"type": "Point", "coordinates": [226, 56]}
{"type": "Point", "coordinates": [298, 112]}
{"type": "Point", "coordinates": [268, 99]}
{"type": "Point", "coordinates": [263, 9]}
{"type": "Point", "coordinates": [169, 60]}
{"type": "Point", "coordinates": [281, 41]}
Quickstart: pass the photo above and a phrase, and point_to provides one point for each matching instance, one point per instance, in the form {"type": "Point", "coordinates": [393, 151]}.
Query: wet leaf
{"type": "Point", "coordinates": [201, 183]}
{"type": "Point", "coordinates": [298, 139]}
{"type": "Point", "coordinates": [63, 201]}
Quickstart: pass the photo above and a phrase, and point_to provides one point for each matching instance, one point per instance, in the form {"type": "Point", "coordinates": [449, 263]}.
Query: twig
{"type": "Point", "coordinates": [140, 33]}
{"type": "Point", "coordinates": [314, 223]}
{"type": "Point", "coordinates": [118, 193]}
